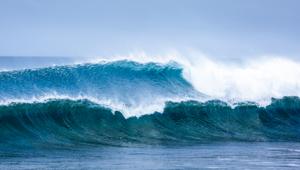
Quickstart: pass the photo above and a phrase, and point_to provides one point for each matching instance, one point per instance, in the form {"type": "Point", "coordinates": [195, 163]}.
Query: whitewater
{"type": "Point", "coordinates": [150, 100]}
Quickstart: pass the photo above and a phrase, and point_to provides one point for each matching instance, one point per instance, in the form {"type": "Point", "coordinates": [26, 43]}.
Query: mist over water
{"type": "Point", "coordinates": [131, 108]}
{"type": "Point", "coordinates": [258, 79]}
{"type": "Point", "coordinates": [198, 93]}
{"type": "Point", "coordinates": [251, 79]}
{"type": "Point", "coordinates": [163, 85]}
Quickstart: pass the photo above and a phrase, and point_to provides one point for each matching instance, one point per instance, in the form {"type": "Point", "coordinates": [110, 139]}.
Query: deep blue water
{"type": "Point", "coordinates": [129, 115]}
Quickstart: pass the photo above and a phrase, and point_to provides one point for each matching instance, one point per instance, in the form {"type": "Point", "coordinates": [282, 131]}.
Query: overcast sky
{"type": "Point", "coordinates": [222, 28]}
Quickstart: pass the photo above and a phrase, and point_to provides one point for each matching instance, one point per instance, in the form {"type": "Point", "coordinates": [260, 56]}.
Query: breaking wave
{"type": "Point", "coordinates": [81, 122]}
{"type": "Point", "coordinates": [125, 102]}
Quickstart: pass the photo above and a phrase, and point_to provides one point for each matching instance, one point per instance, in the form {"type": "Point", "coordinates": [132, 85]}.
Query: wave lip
{"type": "Point", "coordinates": [81, 122]}
{"type": "Point", "coordinates": [125, 83]}
{"type": "Point", "coordinates": [121, 78]}
{"type": "Point", "coordinates": [124, 102]}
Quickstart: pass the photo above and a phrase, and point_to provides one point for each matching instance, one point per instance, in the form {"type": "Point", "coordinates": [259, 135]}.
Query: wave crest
{"type": "Point", "coordinates": [68, 123]}
{"type": "Point", "coordinates": [124, 83]}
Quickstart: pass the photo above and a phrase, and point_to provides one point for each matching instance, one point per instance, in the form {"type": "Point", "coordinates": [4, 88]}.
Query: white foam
{"type": "Point", "coordinates": [136, 109]}
{"type": "Point", "coordinates": [255, 79]}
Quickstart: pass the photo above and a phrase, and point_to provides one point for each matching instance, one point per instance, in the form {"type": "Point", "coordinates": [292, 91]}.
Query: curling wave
{"type": "Point", "coordinates": [81, 122]}
{"type": "Point", "coordinates": [124, 85]}
{"type": "Point", "coordinates": [125, 102]}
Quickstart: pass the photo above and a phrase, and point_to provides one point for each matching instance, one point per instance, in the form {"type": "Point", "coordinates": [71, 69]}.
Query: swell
{"type": "Point", "coordinates": [125, 85]}
{"type": "Point", "coordinates": [119, 81]}
{"type": "Point", "coordinates": [82, 122]}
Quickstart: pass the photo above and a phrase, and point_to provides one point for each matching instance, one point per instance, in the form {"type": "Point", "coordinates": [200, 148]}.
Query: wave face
{"type": "Point", "coordinates": [124, 102]}
{"type": "Point", "coordinates": [68, 123]}
{"type": "Point", "coordinates": [123, 79]}
{"type": "Point", "coordinates": [121, 83]}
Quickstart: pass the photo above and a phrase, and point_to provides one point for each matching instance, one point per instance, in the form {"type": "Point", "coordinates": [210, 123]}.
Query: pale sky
{"type": "Point", "coordinates": [222, 28]}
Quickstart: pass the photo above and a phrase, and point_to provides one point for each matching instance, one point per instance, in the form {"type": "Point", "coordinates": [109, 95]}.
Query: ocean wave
{"type": "Point", "coordinates": [81, 122]}
{"type": "Point", "coordinates": [126, 102]}
{"type": "Point", "coordinates": [122, 83]}
{"type": "Point", "coordinates": [255, 78]}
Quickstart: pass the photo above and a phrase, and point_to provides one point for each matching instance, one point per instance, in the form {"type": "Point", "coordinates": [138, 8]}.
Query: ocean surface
{"type": "Point", "coordinates": [124, 114]}
{"type": "Point", "coordinates": [225, 155]}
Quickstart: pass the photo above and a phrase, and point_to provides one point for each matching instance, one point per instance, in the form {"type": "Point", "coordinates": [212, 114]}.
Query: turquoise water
{"type": "Point", "coordinates": [129, 115]}
{"type": "Point", "coordinates": [69, 123]}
